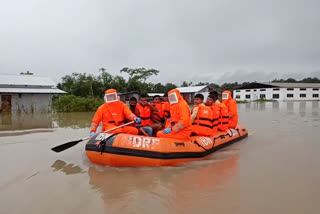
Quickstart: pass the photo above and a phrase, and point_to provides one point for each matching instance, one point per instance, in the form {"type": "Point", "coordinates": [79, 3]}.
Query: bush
{"type": "Point", "coordinates": [71, 103]}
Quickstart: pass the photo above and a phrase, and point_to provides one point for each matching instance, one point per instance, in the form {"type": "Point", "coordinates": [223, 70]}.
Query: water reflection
{"type": "Point", "coordinates": [247, 106]}
{"type": "Point", "coordinates": [19, 121]}
{"type": "Point", "coordinates": [275, 105]}
{"type": "Point", "coordinates": [302, 109]}
{"type": "Point", "coordinates": [68, 169]}
{"type": "Point", "coordinates": [73, 119]}
{"type": "Point", "coordinates": [315, 105]}
{"type": "Point", "coordinates": [119, 188]}
{"type": "Point", "coordinates": [290, 106]}
{"type": "Point", "coordinates": [262, 106]}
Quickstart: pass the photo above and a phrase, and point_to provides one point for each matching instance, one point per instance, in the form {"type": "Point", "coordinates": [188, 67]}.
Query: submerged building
{"type": "Point", "coordinates": [26, 93]}
{"type": "Point", "coordinates": [278, 91]}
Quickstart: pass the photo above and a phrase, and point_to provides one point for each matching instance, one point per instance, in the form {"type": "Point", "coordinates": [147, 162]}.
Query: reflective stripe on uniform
{"type": "Point", "coordinates": [180, 125]}
{"type": "Point", "coordinates": [94, 124]}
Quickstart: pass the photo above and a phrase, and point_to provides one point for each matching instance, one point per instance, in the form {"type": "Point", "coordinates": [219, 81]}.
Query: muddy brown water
{"type": "Point", "coordinates": [275, 170]}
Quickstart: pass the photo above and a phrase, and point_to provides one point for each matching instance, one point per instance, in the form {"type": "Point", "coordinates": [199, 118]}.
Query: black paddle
{"type": "Point", "coordinates": [70, 144]}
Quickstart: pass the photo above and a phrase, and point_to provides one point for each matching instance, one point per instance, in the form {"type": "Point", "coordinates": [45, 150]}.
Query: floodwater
{"type": "Point", "coordinates": [274, 170]}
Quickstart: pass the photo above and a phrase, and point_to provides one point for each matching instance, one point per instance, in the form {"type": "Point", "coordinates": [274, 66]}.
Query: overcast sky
{"type": "Point", "coordinates": [205, 40]}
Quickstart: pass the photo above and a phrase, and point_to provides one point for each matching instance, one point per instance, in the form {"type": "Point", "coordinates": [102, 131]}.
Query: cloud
{"type": "Point", "coordinates": [208, 41]}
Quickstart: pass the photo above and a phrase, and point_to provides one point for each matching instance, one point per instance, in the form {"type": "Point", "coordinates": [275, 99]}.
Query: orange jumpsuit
{"type": "Point", "coordinates": [112, 115]}
{"type": "Point", "coordinates": [180, 119]}
{"type": "Point", "coordinates": [166, 109]}
{"type": "Point", "coordinates": [232, 109]}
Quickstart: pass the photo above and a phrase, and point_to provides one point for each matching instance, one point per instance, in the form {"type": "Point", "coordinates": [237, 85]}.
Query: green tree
{"type": "Point", "coordinates": [201, 83]}
{"type": "Point", "coordinates": [170, 86]}
{"type": "Point", "coordinates": [159, 88]}
{"type": "Point", "coordinates": [118, 83]}
{"type": "Point", "coordinates": [186, 84]}
{"type": "Point", "coordinates": [137, 79]}
{"type": "Point", "coordinates": [139, 74]}
{"type": "Point", "coordinates": [78, 84]}
{"type": "Point", "coordinates": [26, 73]}
{"type": "Point", "coordinates": [310, 80]}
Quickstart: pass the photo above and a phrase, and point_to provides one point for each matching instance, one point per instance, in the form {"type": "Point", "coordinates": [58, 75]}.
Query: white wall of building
{"type": "Point", "coordinates": [269, 93]}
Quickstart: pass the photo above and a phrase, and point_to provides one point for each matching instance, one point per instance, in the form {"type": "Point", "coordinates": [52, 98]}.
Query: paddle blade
{"type": "Point", "coordinates": [65, 146]}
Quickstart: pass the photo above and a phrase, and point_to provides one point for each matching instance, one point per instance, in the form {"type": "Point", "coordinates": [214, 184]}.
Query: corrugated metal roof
{"type": "Point", "coordinates": [32, 90]}
{"type": "Point", "coordinates": [154, 94]}
{"type": "Point", "coordinates": [25, 80]}
{"type": "Point", "coordinates": [191, 89]}
{"type": "Point", "coordinates": [293, 85]}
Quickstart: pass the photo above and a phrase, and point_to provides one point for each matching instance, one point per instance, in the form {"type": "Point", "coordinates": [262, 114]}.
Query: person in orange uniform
{"type": "Point", "coordinates": [112, 114]}
{"type": "Point", "coordinates": [166, 110]}
{"type": "Point", "coordinates": [201, 117]}
{"type": "Point", "coordinates": [166, 106]}
{"type": "Point", "coordinates": [180, 127]}
{"type": "Point", "coordinates": [220, 112]}
{"type": "Point", "coordinates": [158, 115]}
{"type": "Point", "coordinates": [198, 101]}
{"type": "Point", "coordinates": [146, 112]}
{"type": "Point", "coordinates": [232, 108]}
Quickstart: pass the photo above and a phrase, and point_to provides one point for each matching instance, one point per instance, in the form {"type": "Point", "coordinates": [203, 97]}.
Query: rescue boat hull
{"type": "Point", "coordinates": [124, 150]}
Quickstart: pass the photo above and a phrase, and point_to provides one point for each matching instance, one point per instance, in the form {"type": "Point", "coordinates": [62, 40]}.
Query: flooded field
{"type": "Point", "coordinates": [274, 170]}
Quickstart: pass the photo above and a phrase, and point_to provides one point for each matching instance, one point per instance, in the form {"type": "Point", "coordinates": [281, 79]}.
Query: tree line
{"type": "Point", "coordinates": [85, 85]}
{"type": "Point", "coordinates": [88, 85]}
{"type": "Point", "coordinates": [85, 91]}
{"type": "Point", "coordinates": [305, 80]}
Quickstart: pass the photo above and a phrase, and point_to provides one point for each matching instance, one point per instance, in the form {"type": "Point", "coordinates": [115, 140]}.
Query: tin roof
{"type": "Point", "coordinates": [154, 94]}
{"type": "Point", "coordinates": [191, 89]}
{"type": "Point", "coordinates": [25, 81]}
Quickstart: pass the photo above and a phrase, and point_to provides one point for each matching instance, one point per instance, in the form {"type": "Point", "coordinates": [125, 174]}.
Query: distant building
{"type": "Point", "coordinates": [188, 93]}
{"type": "Point", "coordinates": [125, 97]}
{"type": "Point", "coordinates": [151, 95]}
{"type": "Point", "coordinates": [278, 91]}
{"type": "Point", "coordinates": [26, 93]}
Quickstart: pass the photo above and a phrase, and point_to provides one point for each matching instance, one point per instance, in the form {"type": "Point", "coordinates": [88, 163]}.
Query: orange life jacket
{"type": "Point", "coordinates": [159, 115]}
{"type": "Point", "coordinates": [202, 125]}
{"type": "Point", "coordinates": [166, 109]}
{"type": "Point", "coordinates": [144, 112]}
{"type": "Point", "coordinates": [215, 117]}
{"type": "Point", "coordinates": [224, 117]}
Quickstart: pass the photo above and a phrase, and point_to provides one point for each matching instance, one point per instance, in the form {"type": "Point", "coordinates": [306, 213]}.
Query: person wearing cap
{"type": "Point", "coordinates": [113, 113]}
{"type": "Point", "coordinates": [180, 121]}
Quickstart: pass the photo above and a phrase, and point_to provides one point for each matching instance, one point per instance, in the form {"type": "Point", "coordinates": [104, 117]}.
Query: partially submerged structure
{"type": "Point", "coordinates": [27, 93]}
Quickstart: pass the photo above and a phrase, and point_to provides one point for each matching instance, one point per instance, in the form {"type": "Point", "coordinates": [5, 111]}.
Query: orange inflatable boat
{"type": "Point", "coordinates": [125, 150]}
